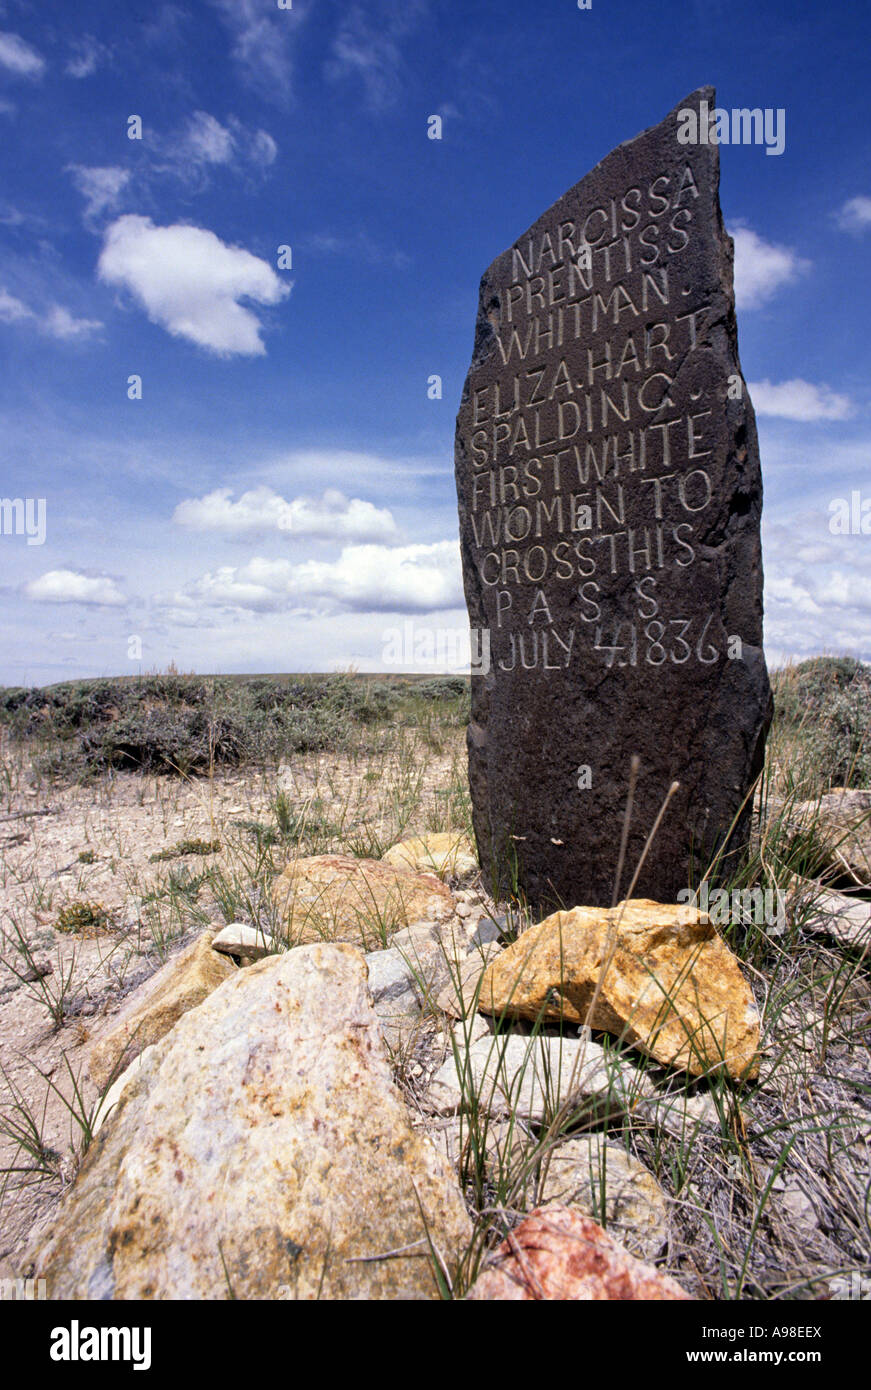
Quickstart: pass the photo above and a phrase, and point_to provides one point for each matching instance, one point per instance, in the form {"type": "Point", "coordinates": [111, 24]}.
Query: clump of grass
{"type": "Point", "coordinates": [82, 917]}
{"type": "Point", "coordinates": [186, 847]}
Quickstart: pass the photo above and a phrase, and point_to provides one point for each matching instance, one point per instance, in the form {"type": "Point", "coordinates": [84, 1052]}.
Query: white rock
{"type": "Point", "coordinates": [117, 1089]}
{"type": "Point", "coordinates": [390, 979]}
{"type": "Point", "coordinates": [847, 920]}
{"type": "Point", "coordinates": [261, 1151]}
{"type": "Point", "coordinates": [242, 940]}
{"type": "Point", "coordinates": [531, 1077]}
{"type": "Point", "coordinates": [680, 1115]}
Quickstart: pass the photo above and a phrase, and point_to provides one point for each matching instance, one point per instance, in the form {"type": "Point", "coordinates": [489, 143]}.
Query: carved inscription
{"type": "Point", "coordinates": [609, 496]}
{"type": "Point", "coordinates": [585, 467]}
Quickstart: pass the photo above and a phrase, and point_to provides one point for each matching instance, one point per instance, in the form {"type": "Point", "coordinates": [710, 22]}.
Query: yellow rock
{"type": "Point", "coordinates": [153, 1009]}
{"type": "Point", "coordinates": [672, 987]}
{"type": "Point", "coordinates": [335, 897]}
{"type": "Point", "coordinates": [448, 853]}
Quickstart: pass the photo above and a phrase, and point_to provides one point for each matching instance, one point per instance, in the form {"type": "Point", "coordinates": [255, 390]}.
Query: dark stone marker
{"type": "Point", "coordinates": [610, 496]}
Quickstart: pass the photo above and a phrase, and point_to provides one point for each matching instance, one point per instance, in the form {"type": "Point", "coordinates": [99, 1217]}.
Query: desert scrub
{"type": "Point", "coordinates": [823, 707]}
{"type": "Point", "coordinates": [185, 847]}
{"type": "Point", "coordinates": [183, 725]}
{"type": "Point", "coordinates": [82, 917]}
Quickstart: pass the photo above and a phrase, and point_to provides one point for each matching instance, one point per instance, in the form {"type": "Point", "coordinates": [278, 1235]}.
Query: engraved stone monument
{"type": "Point", "coordinates": [610, 495]}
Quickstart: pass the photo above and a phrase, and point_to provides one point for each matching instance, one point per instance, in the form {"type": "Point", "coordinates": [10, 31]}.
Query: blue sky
{"type": "Point", "coordinates": [282, 495]}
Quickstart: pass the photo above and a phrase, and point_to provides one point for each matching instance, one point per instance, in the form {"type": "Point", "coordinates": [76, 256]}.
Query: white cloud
{"type": "Point", "coordinates": [207, 141]}
{"type": "Point", "coordinates": [817, 585]}
{"type": "Point", "coordinates": [263, 44]}
{"type": "Point", "coordinates": [368, 46]}
{"type": "Point", "coordinates": [101, 187]}
{"type": "Point", "coordinates": [190, 282]}
{"type": "Point", "coordinates": [13, 310]}
{"type": "Point", "coordinates": [56, 322]}
{"type": "Point", "coordinates": [761, 268]}
{"type": "Point", "coordinates": [60, 323]}
{"type": "Point", "coordinates": [20, 57]}
{"type": "Point", "coordinates": [332, 516]}
{"type": "Point", "coordinates": [70, 586]}
{"type": "Point", "coordinates": [88, 53]}
{"type": "Point", "coordinates": [373, 578]}
{"type": "Point", "coordinates": [364, 579]}
{"type": "Point", "coordinates": [263, 148]}
{"type": "Point", "coordinates": [360, 246]}
{"type": "Point", "coordinates": [205, 144]}
{"type": "Point", "coordinates": [855, 215]}
{"type": "Point", "coordinates": [798, 400]}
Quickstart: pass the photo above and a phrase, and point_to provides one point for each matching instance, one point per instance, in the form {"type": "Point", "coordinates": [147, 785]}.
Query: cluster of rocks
{"type": "Point", "coordinates": [256, 1139]}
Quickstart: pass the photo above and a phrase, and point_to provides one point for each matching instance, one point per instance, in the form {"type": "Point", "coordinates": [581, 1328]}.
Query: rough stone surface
{"type": "Point", "coordinates": [449, 854]}
{"type": "Point", "coordinates": [118, 1087]}
{"type": "Point", "coordinates": [335, 897]}
{"type": "Point", "coordinates": [243, 942]}
{"type": "Point", "coordinates": [610, 496]}
{"type": "Point", "coordinates": [434, 952]}
{"type": "Point", "coordinates": [391, 980]}
{"type": "Point", "coordinates": [262, 1148]}
{"type": "Point", "coordinates": [396, 996]}
{"type": "Point", "coordinates": [458, 996]}
{"type": "Point", "coordinates": [149, 1013]}
{"type": "Point", "coordinates": [672, 987]}
{"type": "Point", "coordinates": [846, 920]}
{"type": "Point", "coordinates": [558, 1253]}
{"type": "Point", "coordinates": [604, 1181]}
{"type": "Point", "coordinates": [842, 823]}
{"type": "Point", "coordinates": [682, 1116]}
{"type": "Point", "coordinates": [531, 1077]}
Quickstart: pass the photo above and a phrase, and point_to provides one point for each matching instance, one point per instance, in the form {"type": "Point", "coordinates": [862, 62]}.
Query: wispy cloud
{"type": "Point", "coordinates": [855, 214]}
{"type": "Point", "coordinates": [207, 141]}
{"type": "Point", "coordinates": [190, 282]}
{"type": "Point", "coordinates": [60, 323]}
{"type": "Point", "coordinates": [799, 400]}
{"type": "Point", "coordinates": [54, 322]}
{"type": "Point", "coordinates": [88, 54]}
{"type": "Point", "coordinates": [368, 47]}
{"type": "Point", "coordinates": [359, 245]}
{"type": "Point", "coordinates": [762, 268]}
{"type": "Point", "coordinates": [20, 57]}
{"type": "Point", "coordinates": [13, 310]}
{"type": "Point", "coordinates": [263, 38]}
{"type": "Point", "coordinates": [201, 147]}
{"type": "Point", "coordinates": [101, 187]}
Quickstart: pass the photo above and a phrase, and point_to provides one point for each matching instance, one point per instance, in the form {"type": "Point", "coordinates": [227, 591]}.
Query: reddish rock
{"type": "Point", "coordinates": [559, 1254]}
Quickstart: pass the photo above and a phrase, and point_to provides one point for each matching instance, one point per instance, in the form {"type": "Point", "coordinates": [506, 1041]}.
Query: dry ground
{"type": "Point", "coordinates": [773, 1200]}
